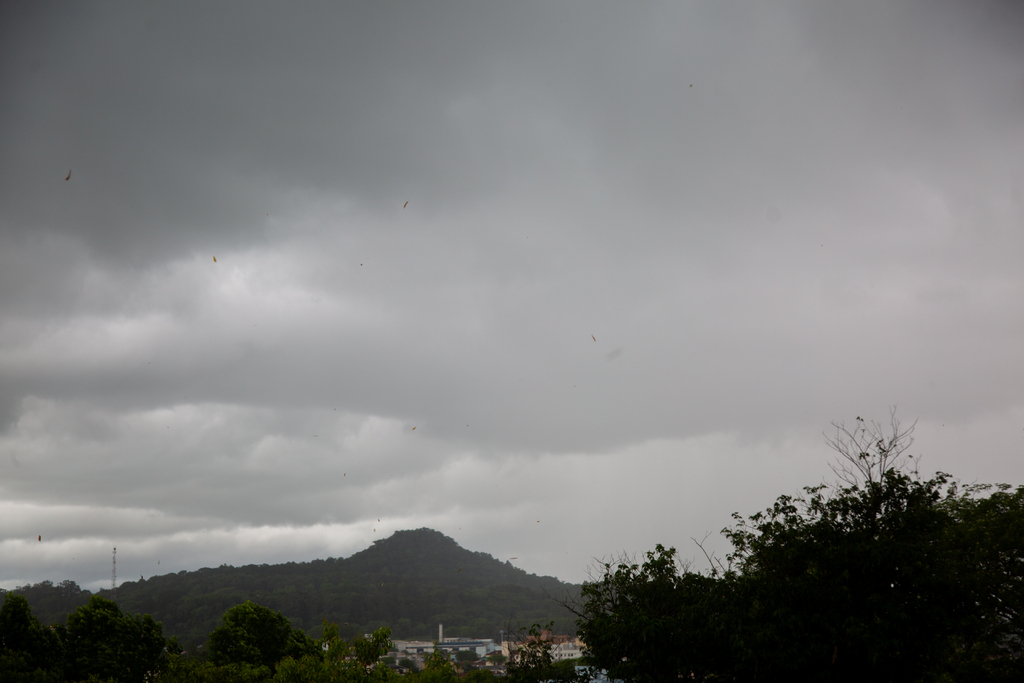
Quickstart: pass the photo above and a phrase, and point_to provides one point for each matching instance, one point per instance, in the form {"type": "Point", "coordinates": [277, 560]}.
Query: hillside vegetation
{"type": "Point", "coordinates": [411, 582]}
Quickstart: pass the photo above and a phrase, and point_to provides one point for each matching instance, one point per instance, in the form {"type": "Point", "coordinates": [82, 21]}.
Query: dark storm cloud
{"type": "Point", "coordinates": [189, 126]}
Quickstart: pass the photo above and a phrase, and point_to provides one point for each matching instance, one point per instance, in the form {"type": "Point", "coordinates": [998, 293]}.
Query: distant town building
{"type": "Point", "coordinates": [562, 647]}
{"type": "Point", "coordinates": [481, 646]}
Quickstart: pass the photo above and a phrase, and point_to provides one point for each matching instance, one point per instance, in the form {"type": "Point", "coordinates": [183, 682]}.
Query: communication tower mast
{"type": "Point", "coordinates": [113, 575]}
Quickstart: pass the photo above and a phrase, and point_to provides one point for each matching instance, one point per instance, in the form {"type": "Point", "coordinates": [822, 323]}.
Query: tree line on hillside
{"type": "Point", "coordinates": [410, 582]}
{"type": "Point", "coordinates": [253, 644]}
{"type": "Point", "coordinates": [883, 576]}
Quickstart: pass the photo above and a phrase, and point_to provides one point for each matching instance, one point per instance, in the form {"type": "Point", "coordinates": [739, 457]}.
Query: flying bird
{"type": "Point", "coordinates": [40, 538]}
{"type": "Point", "coordinates": [214, 259]}
{"type": "Point", "coordinates": [460, 569]}
{"type": "Point", "coordinates": [414, 429]}
{"type": "Point", "coordinates": [514, 558]}
{"type": "Point", "coordinates": [591, 336]}
{"type": "Point", "coordinates": [403, 205]}
{"type": "Point", "coordinates": [69, 175]}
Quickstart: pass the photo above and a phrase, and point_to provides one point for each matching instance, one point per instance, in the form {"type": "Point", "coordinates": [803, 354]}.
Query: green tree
{"type": "Point", "coordinates": [987, 544]}
{"type": "Point", "coordinates": [102, 642]}
{"type": "Point", "coordinates": [882, 576]}
{"type": "Point", "coordinates": [52, 603]}
{"type": "Point", "coordinates": [29, 652]}
{"type": "Point", "coordinates": [258, 636]}
{"type": "Point", "coordinates": [850, 584]}
{"type": "Point", "coordinates": [336, 661]}
{"type": "Point", "coordinates": [438, 668]}
{"type": "Point", "coordinates": [368, 651]}
{"type": "Point", "coordinates": [532, 662]}
{"type": "Point", "coordinates": [466, 656]}
{"type": "Point", "coordinates": [653, 620]}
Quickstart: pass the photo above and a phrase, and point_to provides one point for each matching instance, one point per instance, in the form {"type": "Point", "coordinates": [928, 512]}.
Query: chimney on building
{"type": "Point", "coordinates": [440, 633]}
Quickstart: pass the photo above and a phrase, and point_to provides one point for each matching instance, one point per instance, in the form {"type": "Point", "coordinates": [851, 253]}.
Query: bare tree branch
{"type": "Point", "coordinates": [716, 564]}
{"type": "Point", "coordinates": [867, 451]}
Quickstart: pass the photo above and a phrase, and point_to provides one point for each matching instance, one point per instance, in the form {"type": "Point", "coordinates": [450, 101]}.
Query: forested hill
{"type": "Point", "coordinates": [412, 581]}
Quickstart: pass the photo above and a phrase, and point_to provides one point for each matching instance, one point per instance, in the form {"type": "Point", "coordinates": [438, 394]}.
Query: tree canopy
{"type": "Point", "coordinates": [28, 650]}
{"type": "Point", "coordinates": [883, 576]}
{"type": "Point", "coordinates": [102, 642]}
{"type": "Point", "coordinates": [258, 636]}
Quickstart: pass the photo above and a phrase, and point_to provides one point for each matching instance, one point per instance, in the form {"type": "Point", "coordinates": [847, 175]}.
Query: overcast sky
{"type": "Point", "coordinates": [558, 280]}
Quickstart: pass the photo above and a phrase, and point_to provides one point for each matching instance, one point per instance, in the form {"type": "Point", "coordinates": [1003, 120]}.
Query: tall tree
{"type": "Point", "coordinates": [882, 576]}
{"type": "Point", "coordinates": [102, 642]}
{"type": "Point", "coordinates": [849, 584]}
{"type": "Point", "coordinates": [29, 651]}
{"type": "Point", "coordinates": [652, 620]}
{"type": "Point", "coordinates": [258, 636]}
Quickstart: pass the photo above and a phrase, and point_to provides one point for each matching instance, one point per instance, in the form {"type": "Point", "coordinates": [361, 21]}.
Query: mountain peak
{"type": "Point", "coordinates": [420, 536]}
{"type": "Point", "coordinates": [411, 580]}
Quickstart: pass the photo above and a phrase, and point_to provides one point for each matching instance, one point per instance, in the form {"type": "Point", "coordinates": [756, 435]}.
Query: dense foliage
{"type": "Point", "coordinates": [29, 651]}
{"type": "Point", "coordinates": [532, 662]}
{"type": "Point", "coordinates": [98, 643]}
{"type": "Point", "coordinates": [253, 644]}
{"type": "Point", "coordinates": [882, 577]}
{"type": "Point", "coordinates": [52, 603]}
{"type": "Point", "coordinates": [257, 636]}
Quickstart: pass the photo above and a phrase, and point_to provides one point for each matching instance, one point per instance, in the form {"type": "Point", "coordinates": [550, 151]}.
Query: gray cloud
{"type": "Point", "coordinates": [630, 232]}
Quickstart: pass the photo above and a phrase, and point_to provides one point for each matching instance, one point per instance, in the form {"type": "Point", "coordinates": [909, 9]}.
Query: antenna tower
{"type": "Point", "coordinates": [113, 575]}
